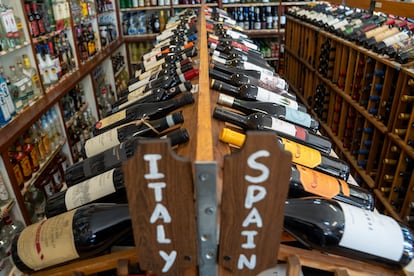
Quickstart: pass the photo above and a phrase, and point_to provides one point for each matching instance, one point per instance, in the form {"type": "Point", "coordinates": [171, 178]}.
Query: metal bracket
{"type": "Point", "coordinates": [206, 195]}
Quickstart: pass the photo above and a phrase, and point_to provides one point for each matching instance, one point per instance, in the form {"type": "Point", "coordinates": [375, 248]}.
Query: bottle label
{"type": "Point", "coordinates": [48, 243]}
{"type": "Point", "coordinates": [273, 81]}
{"type": "Point", "coordinates": [395, 38]}
{"type": "Point", "coordinates": [90, 190]}
{"type": "Point", "coordinates": [112, 119]}
{"type": "Point", "coordinates": [284, 127]}
{"type": "Point", "coordinates": [298, 117]}
{"type": "Point", "coordinates": [264, 95]}
{"type": "Point", "coordinates": [371, 233]}
{"type": "Point", "coordinates": [26, 168]}
{"type": "Point", "coordinates": [102, 142]}
{"type": "Point", "coordinates": [302, 155]}
{"type": "Point", "coordinates": [318, 183]}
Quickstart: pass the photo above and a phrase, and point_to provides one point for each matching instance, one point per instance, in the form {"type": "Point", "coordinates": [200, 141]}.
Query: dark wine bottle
{"type": "Point", "coordinates": [163, 91]}
{"type": "Point", "coordinates": [346, 230]}
{"type": "Point", "coordinates": [114, 157]}
{"type": "Point", "coordinates": [153, 111]}
{"type": "Point", "coordinates": [260, 121]}
{"type": "Point", "coordinates": [244, 57]}
{"type": "Point", "coordinates": [238, 79]}
{"type": "Point", "coordinates": [275, 110]}
{"type": "Point", "coordinates": [141, 128]}
{"type": "Point", "coordinates": [107, 187]}
{"type": "Point", "coordinates": [301, 154]}
{"type": "Point", "coordinates": [252, 92]}
{"type": "Point", "coordinates": [77, 234]}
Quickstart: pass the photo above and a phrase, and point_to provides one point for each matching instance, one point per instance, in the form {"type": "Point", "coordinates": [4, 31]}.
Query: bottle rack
{"type": "Point", "coordinates": [202, 174]}
{"type": "Point", "coordinates": [369, 93]}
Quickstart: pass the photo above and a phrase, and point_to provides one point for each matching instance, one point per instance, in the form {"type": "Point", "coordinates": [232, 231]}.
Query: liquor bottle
{"type": "Point", "coordinates": [404, 34]}
{"type": "Point", "coordinates": [275, 110]}
{"type": "Point", "coordinates": [107, 187]}
{"type": "Point", "coordinates": [31, 152]}
{"type": "Point", "coordinates": [23, 160]}
{"type": "Point", "coordinates": [301, 154]}
{"type": "Point", "coordinates": [252, 92]}
{"type": "Point", "coordinates": [34, 27]}
{"type": "Point", "coordinates": [38, 19]}
{"type": "Point", "coordinates": [114, 157]}
{"type": "Point", "coordinates": [138, 111]}
{"type": "Point", "coordinates": [4, 193]}
{"type": "Point", "coordinates": [139, 128]}
{"type": "Point", "coordinates": [83, 232]}
{"type": "Point", "coordinates": [17, 170]}
{"type": "Point", "coordinates": [342, 229]}
{"type": "Point", "coordinates": [8, 109]}
{"type": "Point", "coordinates": [18, 90]}
{"type": "Point", "coordinates": [260, 121]}
{"type": "Point", "coordinates": [31, 73]}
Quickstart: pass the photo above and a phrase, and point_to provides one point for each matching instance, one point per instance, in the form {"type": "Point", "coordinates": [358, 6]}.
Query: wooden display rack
{"type": "Point", "coordinates": [179, 199]}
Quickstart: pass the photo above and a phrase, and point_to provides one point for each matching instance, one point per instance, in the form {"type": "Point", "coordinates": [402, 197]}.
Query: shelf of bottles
{"type": "Point", "coordinates": [120, 69]}
{"type": "Point", "coordinates": [363, 100]}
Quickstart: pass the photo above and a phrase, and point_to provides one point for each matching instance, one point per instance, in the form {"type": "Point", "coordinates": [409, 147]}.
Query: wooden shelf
{"type": "Point", "coordinates": [136, 9]}
{"type": "Point", "coordinates": [19, 124]}
{"type": "Point", "coordinates": [139, 38]}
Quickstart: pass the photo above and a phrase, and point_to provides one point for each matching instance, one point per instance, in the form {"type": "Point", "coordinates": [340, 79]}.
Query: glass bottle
{"type": "Point", "coordinates": [4, 193]}
{"type": "Point", "coordinates": [31, 72]}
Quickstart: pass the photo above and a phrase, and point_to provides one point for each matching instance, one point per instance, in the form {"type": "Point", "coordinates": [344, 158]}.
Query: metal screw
{"type": "Point", "coordinates": [187, 258]}
{"type": "Point", "coordinates": [203, 177]}
{"type": "Point", "coordinates": [209, 210]}
{"type": "Point", "coordinates": [227, 258]}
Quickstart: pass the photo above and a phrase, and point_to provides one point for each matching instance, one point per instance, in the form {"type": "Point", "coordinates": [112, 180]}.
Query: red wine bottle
{"type": "Point", "coordinates": [77, 234]}
{"type": "Point", "coordinates": [275, 110]}
{"type": "Point", "coordinates": [140, 96]}
{"type": "Point", "coordinates": [260, 121]}
{"type": "Point", "coordinates": [238, 79]}
{"type": "Point", "coordinates": [342, 229]}
{"type": "Point", "coordinates": [273, 81]}
{"type": "Point", "coordinates": [117, 135]}
{"type": "Point", "coordinates": [114, 157]}
{"type": "Point", "coordinates": [107, 187]}
{"type": "Point", "coordinates": [155, 110]}
{"type": "Point", "coordinates": [252, 92]}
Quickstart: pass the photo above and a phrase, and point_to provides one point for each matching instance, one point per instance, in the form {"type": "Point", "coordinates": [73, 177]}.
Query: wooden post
{"type": "Point", "coordinates": [255, 187]}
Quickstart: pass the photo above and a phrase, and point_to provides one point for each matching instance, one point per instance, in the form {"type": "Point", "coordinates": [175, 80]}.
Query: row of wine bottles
{"type": "Point", "coordinates": [251, 100]}
{"type": "Point", "coordinates": [384, 34]}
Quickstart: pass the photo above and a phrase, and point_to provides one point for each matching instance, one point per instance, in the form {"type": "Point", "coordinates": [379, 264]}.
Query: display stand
{"type": "Point", "coordinates": [178, 200]}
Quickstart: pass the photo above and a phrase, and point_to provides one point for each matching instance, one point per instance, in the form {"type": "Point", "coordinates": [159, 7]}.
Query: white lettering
{"type": "Point", "coordinates": [251, 161]}
{"type": "Point", "coordinates": [253, 217]}
{"type": "Point", "coordinates": [244, 262]}
{"type": "Point", "coordinates": [250, 239]}
{"type": "Point", "coordinates": [161, 235]}
{"type": "Point", "coordinates": [251, 197]}
{"type": "Point", "coordinates": [168, 258]}
{"type": "Point", "coordinates": [160, 212]}
{"type": "Point", "coordinates": [153, 166]}
{"type": "Point", "coordinates": [157, 186]}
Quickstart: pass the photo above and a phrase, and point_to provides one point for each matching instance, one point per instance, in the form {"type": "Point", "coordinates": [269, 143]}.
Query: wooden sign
{"type": "Point", "coordinates": [160, 196]}
{"type": "Point", "coordinates": [255, 187]}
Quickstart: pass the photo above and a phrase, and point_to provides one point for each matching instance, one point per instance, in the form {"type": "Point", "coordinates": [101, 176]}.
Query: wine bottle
{"type": "Point", "coordinates": [232, 55]}
{"type": "Point", "coordinates": [77, 234]}
{"type": "Point", "coordinates": [252, 92]}
{"type": "Point", "coordinates": [301, 154]}
{"type": "Point", "coordinates": [260, 121]}
{"type": "Point", "coordinates": [107, 187]}
{"type": "Point", "coordinates": [404, 34]}
{"type": "Point", "coordinates": [275, 110]}
{"type": "Point", "coordinates": [342, 229]}
{"type": "Point", "coordinates": [238, 79]}
{"type": "Point", "coordinates": [153, 111]}
{"type": "Point", "coordinates": [114, 157]}
{"type": "Point", "coordinates": [142, 128]}
{"type": "Point", "coordinates": [271, 80]}
{"type": "Point", "coordinates": [142, 96]}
